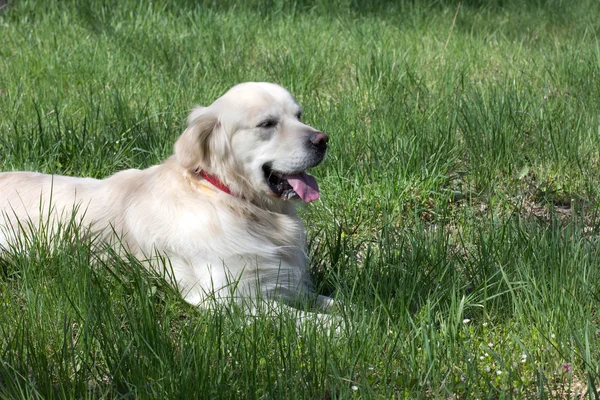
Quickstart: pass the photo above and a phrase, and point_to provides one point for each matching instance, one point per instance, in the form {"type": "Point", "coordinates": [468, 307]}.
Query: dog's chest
{"type": "Point", "coordinates": [279, 229]}
{"type": "Point", "coordinates": [223, 231]}
{"type": "Point", "coordinates": [267, 235]}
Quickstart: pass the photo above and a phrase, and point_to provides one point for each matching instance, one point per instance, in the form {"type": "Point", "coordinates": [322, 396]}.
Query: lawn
{"type": "Point", "coordinates": [459, 214]}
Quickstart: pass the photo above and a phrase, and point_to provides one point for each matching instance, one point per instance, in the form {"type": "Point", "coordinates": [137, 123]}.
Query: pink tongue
{"type": "Point", "coordinates": [305, 185]}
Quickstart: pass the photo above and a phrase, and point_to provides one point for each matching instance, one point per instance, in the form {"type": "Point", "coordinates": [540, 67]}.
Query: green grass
{"type": "Point", "coordinates": [459, 213]}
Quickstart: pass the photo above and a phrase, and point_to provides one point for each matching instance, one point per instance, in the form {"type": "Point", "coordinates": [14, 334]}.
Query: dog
{"type": "Point", "coordinates": [221, 208]}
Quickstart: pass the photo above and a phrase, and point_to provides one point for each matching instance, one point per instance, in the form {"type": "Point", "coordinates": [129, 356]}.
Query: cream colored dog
{"type": "Point", "coordinates": [221, 208]}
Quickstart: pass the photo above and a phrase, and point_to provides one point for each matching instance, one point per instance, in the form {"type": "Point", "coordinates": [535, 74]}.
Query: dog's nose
{"type": "Point", "coordinates": [319, 140]}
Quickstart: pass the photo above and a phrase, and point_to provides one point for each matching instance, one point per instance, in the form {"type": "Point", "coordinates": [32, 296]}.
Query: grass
{"type": "Point", "coordinates": [459, 212]}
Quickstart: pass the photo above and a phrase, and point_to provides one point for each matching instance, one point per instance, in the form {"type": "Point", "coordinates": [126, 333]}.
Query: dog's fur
{"type": "Point", "coordinates": [214, 241]}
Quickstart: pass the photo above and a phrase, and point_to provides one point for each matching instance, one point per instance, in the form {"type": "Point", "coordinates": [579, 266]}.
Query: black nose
{"type": "Point", "coordinates": [319, 140]}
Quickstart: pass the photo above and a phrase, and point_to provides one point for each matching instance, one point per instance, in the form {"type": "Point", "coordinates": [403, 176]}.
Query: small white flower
{"type": "Point", "coordinates": [498, 372]}
{"type": "Point", "coordinates": [466, 321]}
{"type": "Point", "coordinates": [487, 369]}
{"type": "Point", "coordinates": [485, 324]}
{"type": "Point", "coordinates": [354, 387]}
{"type": "Point", "coordinates": [481, 358]}
{"type": "Point", "coordinates": [553, 336]}
{"type": "Point", "coordinates": [490, 344]}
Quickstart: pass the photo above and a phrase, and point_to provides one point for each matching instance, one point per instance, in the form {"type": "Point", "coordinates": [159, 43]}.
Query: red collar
{"type": "Point", "coordinates": [214, 180]}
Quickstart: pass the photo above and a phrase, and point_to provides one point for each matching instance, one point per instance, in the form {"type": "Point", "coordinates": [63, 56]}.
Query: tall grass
{"type": "Point", "coordinates": [458, 226]}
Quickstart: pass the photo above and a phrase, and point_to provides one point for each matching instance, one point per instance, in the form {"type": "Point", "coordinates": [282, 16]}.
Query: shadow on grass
{"type": "Point", "coordinates": [382, 7]}
{"type": "Point", "coordinates": [333, 8]}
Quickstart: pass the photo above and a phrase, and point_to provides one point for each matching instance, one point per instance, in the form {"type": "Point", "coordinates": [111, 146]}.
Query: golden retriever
{"type": "Point", "coordinates": [222, 208]}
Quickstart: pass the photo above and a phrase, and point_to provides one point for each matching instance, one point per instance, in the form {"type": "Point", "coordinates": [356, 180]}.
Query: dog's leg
{"type": "Point", "coordinates": [202, 285]}
{"type": "Point", "coordinates": [3, 242]}
{"type": "Point", "coordinates": [324, 303]}
{"type": "Point", "coordinates": [328, 322]}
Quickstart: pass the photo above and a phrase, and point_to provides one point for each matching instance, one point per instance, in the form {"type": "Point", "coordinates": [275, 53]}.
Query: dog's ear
{"type": "Point", "coordinates": [192, 149]}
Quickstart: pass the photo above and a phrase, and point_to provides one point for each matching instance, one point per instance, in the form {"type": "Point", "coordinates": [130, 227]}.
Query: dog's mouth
{"type": "Point", "coordinates": [299, 185]}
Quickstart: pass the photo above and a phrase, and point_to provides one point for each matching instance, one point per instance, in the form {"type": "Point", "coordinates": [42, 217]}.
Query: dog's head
{"type": "Point", "coordinates": [253, 140]}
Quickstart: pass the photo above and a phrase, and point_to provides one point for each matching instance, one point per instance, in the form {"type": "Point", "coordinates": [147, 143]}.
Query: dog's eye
{"type": "Point", "coordinates": [268, 123]}
{"type": "Point", "coordinates": [299, 115]}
